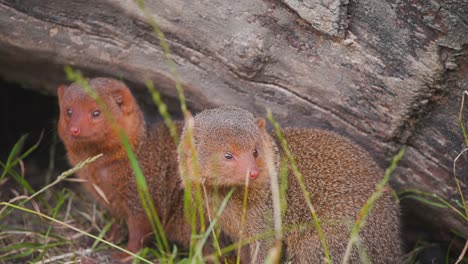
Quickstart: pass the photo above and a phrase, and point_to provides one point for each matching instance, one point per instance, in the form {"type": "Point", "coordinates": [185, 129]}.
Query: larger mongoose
{"type": "Point", "coordinates": [86, 132]}
{"type": "Point", "coordinates": [231, 144]}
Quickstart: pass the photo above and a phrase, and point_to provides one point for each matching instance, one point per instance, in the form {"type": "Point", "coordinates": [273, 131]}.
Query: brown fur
{"type": "Point", "coordinates": [153, 145]}
{"type": "Point", "coordinates": [339, 175]}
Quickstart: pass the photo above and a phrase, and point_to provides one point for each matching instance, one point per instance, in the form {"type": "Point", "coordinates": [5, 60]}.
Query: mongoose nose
{"type": "Point", "coordinates": [254, 173]}
{"type": "Point", "coordinates": [75, 131]}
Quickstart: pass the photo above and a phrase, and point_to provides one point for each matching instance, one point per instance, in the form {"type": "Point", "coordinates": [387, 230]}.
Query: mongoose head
{"type": "Point", "coordinates": [229, 147]}
{"type": "Point", "coordinates": [82, 121]}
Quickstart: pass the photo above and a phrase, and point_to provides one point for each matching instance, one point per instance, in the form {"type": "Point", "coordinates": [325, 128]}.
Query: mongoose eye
{"type": "Point", "coordinates": [255, 153]}
{"type": "Point", "coordinates": [96, 113]}
{"type": "Point", "coordinates": [69, 112]}
{"type": "Point", "coordinates": [228, 156]}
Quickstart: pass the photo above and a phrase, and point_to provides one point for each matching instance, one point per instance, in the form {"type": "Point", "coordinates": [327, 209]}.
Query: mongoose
{"type": "Point", "coordinates": [86, 132]}
{"type": "Point", "coordinates": [231, 144]}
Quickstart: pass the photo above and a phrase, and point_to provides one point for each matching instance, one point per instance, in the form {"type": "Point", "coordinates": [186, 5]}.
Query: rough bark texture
{"type": "Point", "coordinates": [385, 73]}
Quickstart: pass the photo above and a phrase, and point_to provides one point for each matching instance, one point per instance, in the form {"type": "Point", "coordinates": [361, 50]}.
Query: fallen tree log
{"type": "Point", "coordinates": [384, 73]}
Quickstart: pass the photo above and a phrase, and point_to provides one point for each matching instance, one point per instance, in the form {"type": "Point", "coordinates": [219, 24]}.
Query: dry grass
{"type": "Point", "coordinates": [62, 225]}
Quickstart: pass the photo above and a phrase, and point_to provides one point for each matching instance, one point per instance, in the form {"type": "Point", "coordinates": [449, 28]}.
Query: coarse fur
{"type": "Point", "coordinates": [339, 175]}
{"type": "Point", "coordinates": [86, 132]}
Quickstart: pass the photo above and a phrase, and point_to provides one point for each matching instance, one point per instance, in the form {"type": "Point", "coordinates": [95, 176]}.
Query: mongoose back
{"type": "Point", "coordinates": [231, 145]}
{"type": "Point", "coordinates": [86, 132]}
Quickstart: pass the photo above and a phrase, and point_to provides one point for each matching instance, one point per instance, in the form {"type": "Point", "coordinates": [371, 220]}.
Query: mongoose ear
{"type": "Point", "coordinates": [60, 90]}
{"type": "Point", "coordinates": [260, 123]}
{"type": "Point", "coordinates": [124, 99]}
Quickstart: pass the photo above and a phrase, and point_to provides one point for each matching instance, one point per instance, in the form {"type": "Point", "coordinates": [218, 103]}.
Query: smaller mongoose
{"type": "Point", "coordinates": [86, 132]}
{"type": "Point", "coordinates": [231, 145]}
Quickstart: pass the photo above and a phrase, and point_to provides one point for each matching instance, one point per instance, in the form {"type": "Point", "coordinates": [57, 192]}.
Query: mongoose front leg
{"type": "Point", "coordinates": [115, 233]}
{"type": "Point", "coordinates": [139, 230]}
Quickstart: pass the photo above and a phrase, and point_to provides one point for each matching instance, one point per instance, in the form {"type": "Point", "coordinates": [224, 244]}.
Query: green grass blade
{"type": "Point", "coordinates": [30, 246]}
{"type": "Point", "coordinates": [431, 196]}
{"type": "Point", "coordinates": [103, 232]}
{"type": "Point", "coordinates": [366, 209]}
{"type": "Point", "coordinates": [243, 216]}
{"type": "Point", "coordinates": [43, 249]}
{"type": "Point", "coordinates": [300, 180]}
{"type": "Point", "coordinates": [209, 230]}
{"type": "Point", "coordinates": [60, 201]}
{"type": "Point", "coordinates": [167, 52]}
{"type": "Point", "coordinates": [21, 255]}
{"type": "Point", "coordinates": [5, 204]}
{"type": "Point", "coordinates": [29, 150]}
{"type": "Point", "coordinates": [193, 201]}
{"type": "Point", "coordinates": [460, 117]}
{"type": "Point", "coordinates": [18, 178]}
{"type": "Point", "coordinates": [61, 177]}
{"type": "Point", "coordinates": [13, 153]}
{"type": "Point", "coordinates": [426, 201]}
{"type": "Point", "coordinates": [162, 108]}
{"type": "Point", "coordinates": [12, 161]}
{"type": "Point", "coordinates": [465, 136]}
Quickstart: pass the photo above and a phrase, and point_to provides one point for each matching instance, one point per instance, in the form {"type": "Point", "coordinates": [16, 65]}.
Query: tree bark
{"type": "Point", "coordinates": [384, 73]}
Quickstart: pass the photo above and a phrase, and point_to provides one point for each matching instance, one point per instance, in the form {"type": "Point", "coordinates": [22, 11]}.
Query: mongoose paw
{"type": "Point", "coordinates": [122, 257]}
{"type": "Point", "coordinates": [115, 233]}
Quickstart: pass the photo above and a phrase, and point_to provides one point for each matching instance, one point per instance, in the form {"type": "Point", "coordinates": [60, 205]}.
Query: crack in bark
{"type": "Point", "coordinates": [301, 98]}
{"type": "Point", "coordinates": [428, 158]}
